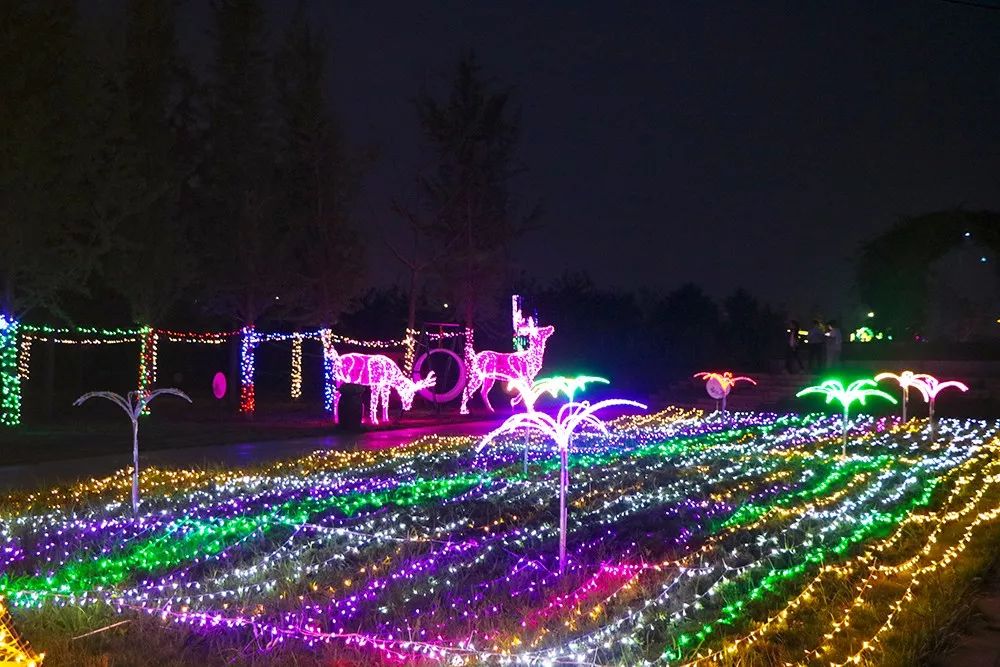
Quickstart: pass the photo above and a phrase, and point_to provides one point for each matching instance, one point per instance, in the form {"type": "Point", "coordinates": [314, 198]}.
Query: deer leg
{"type": "Point", "coordinates": [485, 391]}
{"type": "Point", "coordinates": [470, 388]}
{"type": "Point", "coordinates": [373, 407]}
{"type": "Point", "coordinates": [336, 405]}
{"type": "Point", "coordinates": [386, 392]}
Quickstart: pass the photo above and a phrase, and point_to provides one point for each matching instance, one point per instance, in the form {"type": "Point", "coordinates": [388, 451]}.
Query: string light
{"type": "Point", "coordinates": [13, 649]}
{"type": "Point", "coordinates": [10, 380]}
{"type": "Point", "coordinates": [248, 369]}
{"type": "Point", "coordinates": [690, 540]}
{"type": "Point", "coordinates": [24, 358]}
{"type": "Point", "coordinates": [296, 374]}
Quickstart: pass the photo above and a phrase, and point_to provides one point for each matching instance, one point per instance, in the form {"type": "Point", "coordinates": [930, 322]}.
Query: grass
{"type": "Point", "coordinates": [740, 507]}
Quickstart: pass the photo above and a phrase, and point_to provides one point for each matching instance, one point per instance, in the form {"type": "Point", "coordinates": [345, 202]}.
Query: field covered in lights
{"type": "Point", "coordinates": [692, 540]}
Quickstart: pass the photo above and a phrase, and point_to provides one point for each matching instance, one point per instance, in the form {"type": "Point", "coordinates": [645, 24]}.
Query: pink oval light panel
{"type": "Point", "coordinates": [219, 385]}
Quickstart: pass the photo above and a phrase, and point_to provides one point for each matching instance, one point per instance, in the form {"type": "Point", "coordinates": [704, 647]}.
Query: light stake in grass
{"type": "Point", "coordinates": [834, 390]}
{"type": "Point", "coordinates": [133, 404]}
{"type": "Point", "coordinates": [560, 429]}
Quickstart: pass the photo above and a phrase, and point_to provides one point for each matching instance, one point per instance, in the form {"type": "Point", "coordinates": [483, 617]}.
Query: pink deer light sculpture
{"type": "Point", "coordinates": [486, 367]}
{"type": "Point", "coordinates": [382, 375]}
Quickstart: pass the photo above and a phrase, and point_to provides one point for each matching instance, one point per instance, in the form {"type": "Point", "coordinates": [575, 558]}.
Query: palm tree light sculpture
{"type": "Point", "coordinates": [133, 404]}
{"type": "Point", "coordinates": [529, 393]}
{"type": "Point", "coordinates": [906, 379]}
{"type": "Point", "coordinates": [560, 430]}
{"type": "Point", "coordinates": [718, 385]}
{"type": "Point", "coordinates": [859, 391]}
{"type": "Point", "coordinates": [929, 387]}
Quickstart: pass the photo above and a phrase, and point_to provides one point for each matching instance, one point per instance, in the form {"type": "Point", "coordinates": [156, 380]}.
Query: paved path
{"type": "Point", "coordinates": [235, 455]}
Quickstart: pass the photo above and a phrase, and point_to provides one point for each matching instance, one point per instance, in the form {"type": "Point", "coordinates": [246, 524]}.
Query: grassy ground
{"type": "Point", "coordinates": [109, 433]}
{"type": "Point", "coordinates": [924, 572]}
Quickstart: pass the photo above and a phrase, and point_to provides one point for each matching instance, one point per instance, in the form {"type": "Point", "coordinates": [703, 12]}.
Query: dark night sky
{"type": "Point", "coordinates": [728, 143]}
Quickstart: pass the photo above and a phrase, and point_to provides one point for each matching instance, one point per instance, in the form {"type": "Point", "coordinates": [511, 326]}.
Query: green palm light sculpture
{"type": "Point", "coordinates": [858, 391]}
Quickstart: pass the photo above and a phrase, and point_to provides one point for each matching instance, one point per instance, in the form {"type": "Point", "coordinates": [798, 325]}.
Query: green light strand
{"type": "Point", "coordinates": [10, 381]}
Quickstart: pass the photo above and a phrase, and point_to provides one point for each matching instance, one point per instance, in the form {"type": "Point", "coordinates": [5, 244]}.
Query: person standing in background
{"type": "Point", "coordinates": [834, 344]}
{"type": "Point", "coordinates": [816, 345]}
{"type": "Point", "coordinates": [793, 362]}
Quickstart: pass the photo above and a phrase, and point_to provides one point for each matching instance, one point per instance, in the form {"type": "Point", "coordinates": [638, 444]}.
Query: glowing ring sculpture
{"type": "Point", "coordinates": [433, 394]}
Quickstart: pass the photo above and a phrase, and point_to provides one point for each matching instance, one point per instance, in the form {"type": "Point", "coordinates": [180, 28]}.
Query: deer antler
{"type": "Point", "coordinates": [427, 382]}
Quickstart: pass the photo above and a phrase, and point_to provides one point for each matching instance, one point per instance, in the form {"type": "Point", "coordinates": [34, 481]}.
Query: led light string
{"type": "Point", "coordinates": [753, 508]}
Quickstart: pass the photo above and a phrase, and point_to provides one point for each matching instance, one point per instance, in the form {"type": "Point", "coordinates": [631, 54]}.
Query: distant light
{"type": "Point", "coordinates": [277, 298]}
{"type": "Point", "coordinates": [982, 259]}
{"type": "Point", "coordinates": [871, 313]}
{"type": "Point", "coordinates": [967, 234]}
{"type": "Point", "coordinates": [445, 305]}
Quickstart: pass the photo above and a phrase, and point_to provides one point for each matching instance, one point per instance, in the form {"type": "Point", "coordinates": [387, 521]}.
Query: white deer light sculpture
{"type": "Point", "coordinates": [560, 429]}
{"type": "Point", "coordinates": [382, 375]}
{"type": "Point", "coordinates": [486, 367]}
{"type": "Point", "coordinates": [133, 404]}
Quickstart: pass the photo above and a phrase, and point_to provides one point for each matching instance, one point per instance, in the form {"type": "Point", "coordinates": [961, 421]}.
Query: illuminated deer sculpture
{"type": "Point", "coordinates": [376, 371]}
{"type": "Point", "coordinates": [486, 367]}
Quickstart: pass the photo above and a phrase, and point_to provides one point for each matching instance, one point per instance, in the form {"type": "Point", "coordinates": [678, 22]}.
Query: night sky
{"type": "Point", "coordinates": [753, 144]}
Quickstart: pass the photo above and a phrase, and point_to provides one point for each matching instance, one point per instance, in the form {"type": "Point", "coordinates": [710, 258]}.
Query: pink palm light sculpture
{"type": "Point", "coordinates": [718, 385]}
{"type": "Point", "coordinates": [929, 387]}
{"type": "Point", "coordinates": [906, 379]}
{"type": "Point", "coordinates": [560, 430]}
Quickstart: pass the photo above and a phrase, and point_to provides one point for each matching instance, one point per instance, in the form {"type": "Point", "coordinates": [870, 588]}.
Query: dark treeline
{"type": "Point", "coordinates": [640, 339]}
{"type": "Point", "coordinates": [137, 188]}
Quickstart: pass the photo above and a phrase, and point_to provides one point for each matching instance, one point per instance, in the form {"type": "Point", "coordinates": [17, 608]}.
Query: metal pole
{"type": "Point", "coordinates": [563, 483]}
{"type": "Point", "coordinates": [135, 466]}
{"type": "Point", "coordinates": [844, 447]}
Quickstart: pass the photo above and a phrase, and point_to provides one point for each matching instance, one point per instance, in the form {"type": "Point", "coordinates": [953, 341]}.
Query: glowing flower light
{"type": "Point", "coordinates": [133, 405]}
{"type": "Point", "coordinates": [529, 393]}
{"type": "Point", "coordinates": [858, 391]}
{"type": "Point", "coordinates": [560, 430]}
{"type": "Point", "coordinates": [718, 385]}
{"type": "Point", "coordinates": [486, 367]}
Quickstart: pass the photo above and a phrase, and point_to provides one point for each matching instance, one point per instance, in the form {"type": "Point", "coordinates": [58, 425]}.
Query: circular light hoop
{"type": "Point", "coordinates": [431, 393]}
